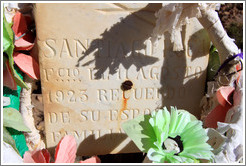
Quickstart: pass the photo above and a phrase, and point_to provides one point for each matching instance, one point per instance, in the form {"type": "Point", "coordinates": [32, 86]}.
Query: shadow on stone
{"type": "Point", "coordinates": [179, 78]}
{"type": "Point", "coordinates": [123, 44]}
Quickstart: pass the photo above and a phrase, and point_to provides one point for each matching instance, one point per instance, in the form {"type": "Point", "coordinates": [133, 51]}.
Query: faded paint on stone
{"type": "Point", "coordinates": [87, 51]}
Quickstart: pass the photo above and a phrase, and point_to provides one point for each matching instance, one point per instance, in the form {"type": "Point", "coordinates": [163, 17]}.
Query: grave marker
{"type": "Point", "coordinates": [99, 68]}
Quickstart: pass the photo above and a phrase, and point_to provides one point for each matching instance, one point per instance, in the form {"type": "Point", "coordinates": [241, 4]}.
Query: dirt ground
{"type": "Point", "coordinates": [231, 16]}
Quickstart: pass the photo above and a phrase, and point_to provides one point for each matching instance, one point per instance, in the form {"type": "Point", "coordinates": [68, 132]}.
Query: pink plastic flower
{"type": "Point", "coordinates": [65, 153]}
{"type": "Point", "coordinates": [24, 42]}
{"type": "Point", "coordinates": [218, 114]}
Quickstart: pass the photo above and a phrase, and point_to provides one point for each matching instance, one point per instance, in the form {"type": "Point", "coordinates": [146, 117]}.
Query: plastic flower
{"type": "Point", "coordinates": [174, 138]}
{"type": "Point", "coordinates": [65, 153]}
{"type": "Point", "coordinates": [18, 41]}
{"type": "Point", "coordinates": [24, 42]}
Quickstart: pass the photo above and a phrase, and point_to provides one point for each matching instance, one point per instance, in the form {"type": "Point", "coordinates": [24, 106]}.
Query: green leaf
{"type": "Point", "coordinates": [20, 140]}
{"type": "Point", "coordinates": [4, 62]}
{"type": "Point", "coordinates": [141, 132]}
{"type": "Point", "coordinates": [8, 37]}
{"type": "Point", "coordinates": [213, 63]}
{"type": "Point", "coordinates": [18, 80]}
{"type": "Point", "coordinates": [8, 47]}
{"type": "Point", "coordinates": [13, 119]}
{"type": "Point", "coordinates": [8, 139]}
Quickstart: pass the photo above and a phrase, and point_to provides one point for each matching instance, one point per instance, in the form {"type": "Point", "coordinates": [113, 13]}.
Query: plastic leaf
{"type": "Point", "coordinates": [19, 81]}
{"type": "Point", "coordinates": [5, 59]}
{"type": "Point", "coordinates": [213, 63]}
{"type": "Point", "coordinates": [8, 139]}
{"type": "Point", "coordinates": [8, 35]}
{"type": "Point", "coordinates": [14, 74]}
{"type": "Point", "coordinates": [8, 38]}
{"type": "Point", "coordinates": [66, 150]}
{"type": "Point", "coordinates": [27, 64]}
{"type": "Point", "coordinates": [14, 95]}
{"type": "Point", "coordinates": [13, 119]}
{"type": "Point", "coordinates": [141, 132]}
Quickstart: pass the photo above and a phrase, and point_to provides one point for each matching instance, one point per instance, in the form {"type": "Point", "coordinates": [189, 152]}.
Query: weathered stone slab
{"type": "Point", "coordinates": [99, 68]}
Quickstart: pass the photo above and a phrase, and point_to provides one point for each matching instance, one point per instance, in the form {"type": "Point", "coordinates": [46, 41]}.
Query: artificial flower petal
{"type": "Point", "coordinates": [46, 155]}
{"type": "Point", "coordinates": [21, 31]}
{"type": "Point", "coordinates": [155, 156]}
{"type": "Point", "coordinates": [8, 38]}
{"type": "Point", "coordinates": [141, 132]}
{"type": "Point", "coordinates": [27, 158]}
{"type": "Point", "coordinates": [190, 138]}
{"type": "Point", "coordinates": [93, 159]}
{"type": "Point", "coordinates": [8, 79]}
{"type": "Point", "coordinates": [218, 114]}
{"type": "Point", "coordinates": [181, 120]}
{"type": "Point", "coordinates": [159, 124]}
{"type": "Point", "coordinates": [19, 26]}
{"type": "Point", "coordinates": [223, 95]}
{"type": "Point", "coordinates": [238, 67]}
{"type": "Point", "coordinates": [22, 44]}
{"type": "Point", "coordinates": [66, 150]}
{"type": "Point", "coordinates": [37, 156]}
{"type": "Point", "coordinates": [27, 64]}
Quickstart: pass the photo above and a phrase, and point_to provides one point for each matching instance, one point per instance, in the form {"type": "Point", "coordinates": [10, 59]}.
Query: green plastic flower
{"type": "Point", "coordinates": [174, 138]}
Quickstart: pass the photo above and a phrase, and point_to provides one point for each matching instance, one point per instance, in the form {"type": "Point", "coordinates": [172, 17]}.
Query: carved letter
{"type": "Point", "coordinates": [84, 116]}
{"type": "Point", "coordinates": [65, 50]}
{"type": "Point", "coordinates": [102, 95]}
{"type": "Point", "coordinates": [52, 117]}
{"type": "Point", "coordinates": [65, 117]}
{"type": "Point", "coordinates": [154, 74]}
{"type": "Point", "coordinates": [52, 51]}
{"type": "Point", "coordinates": [79, 47]}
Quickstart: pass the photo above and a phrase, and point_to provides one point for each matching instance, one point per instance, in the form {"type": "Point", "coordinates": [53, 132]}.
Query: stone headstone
{"type": "Point", "coordinates": [99, 68]}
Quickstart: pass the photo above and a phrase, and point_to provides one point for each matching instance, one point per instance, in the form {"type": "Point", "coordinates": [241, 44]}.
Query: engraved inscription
{"type": "Point", "coordinates": [83, 134]}
{"type": "Point", "coordinates": [62, 117]}
{"type": "Point", "coordinates": [75, 48]}
{"type": "Point", "coordinates": [69, 96]}
{"type": "Point", "coordinates": [146, 73]}
{"type": "Point", "coordinates": [89, 50]}
{"type": "Point", "coordinates": [90, 115]}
